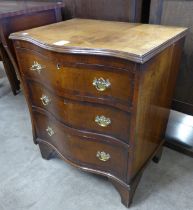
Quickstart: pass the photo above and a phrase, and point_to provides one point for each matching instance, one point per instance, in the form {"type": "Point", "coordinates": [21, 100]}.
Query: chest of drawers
{"type": "Point", "coordinates": [99, 93]}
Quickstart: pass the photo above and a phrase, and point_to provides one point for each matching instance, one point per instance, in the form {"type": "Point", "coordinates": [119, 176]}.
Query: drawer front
{"type": "Point", "coordinates": [82, 115]}
{"type": "Point", "coordinates": [84, 151]}
{"type": "Point", "coordinates": [78, 80]}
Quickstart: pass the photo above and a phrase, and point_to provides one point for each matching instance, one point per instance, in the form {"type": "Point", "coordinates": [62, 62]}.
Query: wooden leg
{"type": "Point", "coordinates": [158, 155]}
{"type": "Point", "coordinates": [10, 71]}
{"type": "Point", "coordinates": [46, 151]}
{"type": "Point", "coordinates": [127, 191]}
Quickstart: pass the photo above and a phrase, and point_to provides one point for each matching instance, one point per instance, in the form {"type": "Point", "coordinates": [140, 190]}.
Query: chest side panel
{"type": "Point", "coordinates": [155, 89]}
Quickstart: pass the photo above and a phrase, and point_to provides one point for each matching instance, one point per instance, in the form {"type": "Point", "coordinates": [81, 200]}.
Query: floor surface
{"type": "Point", "coordinates": [27, 182]}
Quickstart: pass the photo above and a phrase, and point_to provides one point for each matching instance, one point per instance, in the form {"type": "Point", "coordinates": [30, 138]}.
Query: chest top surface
{"type": "Point", "coordinates": [12, 8]}
{"type": "Point", "coordinates": [135, 42]}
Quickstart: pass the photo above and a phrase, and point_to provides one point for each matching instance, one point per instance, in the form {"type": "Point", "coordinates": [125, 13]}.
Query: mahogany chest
{"type": "Point", "coordinates": [99, 93]}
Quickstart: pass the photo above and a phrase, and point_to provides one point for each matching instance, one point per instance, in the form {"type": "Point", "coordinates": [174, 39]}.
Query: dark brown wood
{"type": "Point", "coordinates": [122, 10]}
{"type": "Point", "coordinates": [72, 113]}
{"type": "Point", "coordinates": [47, 152]}
{"type": "Point", "coordinates": [138, 99]}
{"type": "Point", "coordinates": [121, 80]}
{"type": "Point", "coordinates": [20, 15]}
{"type": "Point", "coordinates": [127, 191]}
{"type": "Point", "coordinates": [75, 143]}
{"type": "Point", "coordinates": [14, 8]}
{"type": "Point", "coordinates": [9, 70]}
{"type": "Point", "coordinates": [137, 52]}
{"type": "Point", "coordinates": [163, 85]}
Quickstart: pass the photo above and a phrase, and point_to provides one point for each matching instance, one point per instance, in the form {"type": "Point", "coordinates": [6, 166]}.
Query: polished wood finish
{"type": "Point", "coordinates": [127, 191]}
{"type": "Point", "coordinates": [122, 40]}
{"type": "Point", "coordinates": [21, 15]}
{"type": "Point", "coordinates": [71, 144]}
{"type": "Point", "coordinates": [47, 151]}
{"type": "Point", "coordinates": [72, 113]}
{"type": "Point", "coordinates": [150, 107]}
{"type": "Point", "coordinates": [67, 84]}
{"type": "Point", "coordinates": [142, 76]}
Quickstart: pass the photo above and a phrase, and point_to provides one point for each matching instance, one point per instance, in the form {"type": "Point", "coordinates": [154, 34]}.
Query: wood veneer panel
{"type": "Point", "coordinates": [151, 109]}
{"type": "Point", "coordinates": [130, 41]}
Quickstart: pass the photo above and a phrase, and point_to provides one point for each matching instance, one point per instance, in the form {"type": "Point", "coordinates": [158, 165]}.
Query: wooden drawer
{"type": "Point", "coordinates": [82, 115]}
{"type": "Point", "coordinates": [79, 80]}
{"type": "Point", "coordinates": [104, 156]}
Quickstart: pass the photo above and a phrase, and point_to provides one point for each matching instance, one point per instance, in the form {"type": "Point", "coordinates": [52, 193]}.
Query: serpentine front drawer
{"type": "Point", "coordinates": [90, 82]}
{"type": "Point", "coordinates": [83, 150]}
{"type": "Point", "coordinates": [100, 119]}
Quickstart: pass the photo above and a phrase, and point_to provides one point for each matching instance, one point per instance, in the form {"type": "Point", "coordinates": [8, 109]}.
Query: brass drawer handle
{"type": "Point", "coordinates": [37, 67]}
{"type": "Point", "coordinates": [50, 131]}
{"type": "Point", "coordinates": [45, 100]}
{"type": "Point", "coordinates": [103, 156]}
{"type": "Point", "coordinates": [101, 84]}
{"type": "Point", "coordinates": [102, 121]}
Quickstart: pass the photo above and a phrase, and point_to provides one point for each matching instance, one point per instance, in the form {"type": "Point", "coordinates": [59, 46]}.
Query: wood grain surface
{"type": "Point", "coordinates": [66, 82]}
{"type": "Point", "coordinates": [13, 8]}
{"type": "Point", "coordinates": [82, 150]}
{"type": "Point", "coordinates": [72, 113]}
{"type": "Point", "coordinates": [136, 42]}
